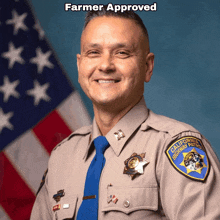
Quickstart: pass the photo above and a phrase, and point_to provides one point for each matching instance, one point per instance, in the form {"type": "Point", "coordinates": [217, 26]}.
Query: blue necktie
{"type": "Point", "coordinates": [89, 206]}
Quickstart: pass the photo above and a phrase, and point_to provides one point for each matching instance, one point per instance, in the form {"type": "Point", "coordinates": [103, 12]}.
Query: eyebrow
{"type": "Point", "coordinates": [117, 45]}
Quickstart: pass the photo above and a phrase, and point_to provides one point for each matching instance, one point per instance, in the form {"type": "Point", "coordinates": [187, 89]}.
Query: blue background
{"type": "Point", "coordinates": [185, 38]}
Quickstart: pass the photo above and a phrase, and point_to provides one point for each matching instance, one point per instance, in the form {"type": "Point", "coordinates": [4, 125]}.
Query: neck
{"type": "Point", "coordinates": [107, 117]}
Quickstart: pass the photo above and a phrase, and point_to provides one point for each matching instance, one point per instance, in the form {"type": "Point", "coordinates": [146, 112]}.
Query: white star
{"type": "Point", "coordinates": [8, 89]}
{"type": "Point", "coordinates": [42, 60]}
{"type": "Point", "coordinates": [13, 55]}
{"type": "Point", "coordinates": [17, 21]}
{"type": "Point", "coordinates": [39, 92]}
{"type": "Point", "coordinates": [4, 120]}
{"type": "Point", "coordinates": [39, 29]}
{"type": "Point", "coordinates": [139, 167]}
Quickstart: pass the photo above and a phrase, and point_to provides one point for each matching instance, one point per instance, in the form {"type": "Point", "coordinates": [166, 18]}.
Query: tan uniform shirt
{"type": "Point", "coordinates": [161, 192]}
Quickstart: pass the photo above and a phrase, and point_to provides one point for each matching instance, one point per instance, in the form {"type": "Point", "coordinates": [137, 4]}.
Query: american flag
{"type": "Point", "coordinates": [38, 107]}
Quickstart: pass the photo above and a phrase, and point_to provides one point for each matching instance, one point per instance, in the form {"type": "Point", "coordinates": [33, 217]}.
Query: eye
{"type": "Point", "coordinates": [93, 53]}
{"type": "Point", "coordinates": [122, 54]}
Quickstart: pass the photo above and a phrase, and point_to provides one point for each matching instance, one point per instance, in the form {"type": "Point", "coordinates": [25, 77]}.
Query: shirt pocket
{"type": "Point", "coordinates": [65, 209]}
{"type": "Point", "coordinates": [131, 199]}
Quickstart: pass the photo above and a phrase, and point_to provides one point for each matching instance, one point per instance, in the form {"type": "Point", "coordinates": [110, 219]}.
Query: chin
{"type": "Point", "coordinates": [104, 101]}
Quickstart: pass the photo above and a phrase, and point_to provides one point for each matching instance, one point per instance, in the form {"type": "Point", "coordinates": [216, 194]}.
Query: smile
{"type": "Point", "coordinates": [107, 81]}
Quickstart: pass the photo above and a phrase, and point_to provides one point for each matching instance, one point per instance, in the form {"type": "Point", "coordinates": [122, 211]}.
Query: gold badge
{"type": "Point", "coordinates": [134, 165]}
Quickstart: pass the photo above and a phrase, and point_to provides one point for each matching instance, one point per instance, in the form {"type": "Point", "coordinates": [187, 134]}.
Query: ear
{"type": "Point", "coordinates": [149, 66]}
{"type": "Point", "coordinates": [78, 61]}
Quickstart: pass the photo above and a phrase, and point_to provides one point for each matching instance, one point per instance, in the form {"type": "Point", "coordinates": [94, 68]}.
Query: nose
{"type": "Point", "coordinates": [106, 64]}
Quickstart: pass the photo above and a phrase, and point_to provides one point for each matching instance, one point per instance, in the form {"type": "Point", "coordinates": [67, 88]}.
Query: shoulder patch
{"type": "Point", "coordinates": [188, 156]}
{"type": "Point", "coordinates": [42, 181]}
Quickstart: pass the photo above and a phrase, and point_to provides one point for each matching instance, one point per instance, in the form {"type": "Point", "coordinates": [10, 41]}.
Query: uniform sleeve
{"type": "Point", "coordinates": [41, 209]}
{"type": "Point", "coordinates": [185, 196]}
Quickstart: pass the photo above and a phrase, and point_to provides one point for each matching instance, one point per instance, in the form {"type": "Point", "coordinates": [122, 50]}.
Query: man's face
{"type": "Point", "coordinates": [114, 62]}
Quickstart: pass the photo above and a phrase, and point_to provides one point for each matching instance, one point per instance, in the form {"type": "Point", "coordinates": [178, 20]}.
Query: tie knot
{"type": "Point", "coordinates": [101, 144]}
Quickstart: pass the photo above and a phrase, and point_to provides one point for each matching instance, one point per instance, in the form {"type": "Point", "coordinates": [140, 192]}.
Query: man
{"type": "Point", "coordinates": [155, 167]}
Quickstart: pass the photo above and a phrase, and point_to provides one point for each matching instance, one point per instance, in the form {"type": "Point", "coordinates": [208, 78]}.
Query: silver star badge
{"type": "Point", "coordinates": [135, 165]}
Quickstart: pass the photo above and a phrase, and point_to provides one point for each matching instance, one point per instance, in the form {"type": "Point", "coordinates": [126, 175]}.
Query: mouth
{"type": "Point", "coordinates": [107, 81]}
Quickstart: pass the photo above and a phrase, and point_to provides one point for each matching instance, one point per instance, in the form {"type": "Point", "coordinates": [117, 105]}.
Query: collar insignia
{"type": "Point", "coordinates": [134, 165]}
{"type": "Point", "coordinates": [119, 134]}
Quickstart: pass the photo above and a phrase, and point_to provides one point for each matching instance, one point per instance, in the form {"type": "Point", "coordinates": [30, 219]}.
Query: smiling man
{"type": "Point", "coordinates": [113, 65]}
{"type": "Point", "coordinates": [130, 163]}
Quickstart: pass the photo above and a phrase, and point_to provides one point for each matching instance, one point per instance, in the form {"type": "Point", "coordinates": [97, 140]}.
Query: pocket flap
{"type": "Point", "coordinates": [130, 199]}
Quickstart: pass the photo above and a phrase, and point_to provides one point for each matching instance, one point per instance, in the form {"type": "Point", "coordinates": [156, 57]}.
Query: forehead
{"type": "Point", "coordinates": [110, 30]}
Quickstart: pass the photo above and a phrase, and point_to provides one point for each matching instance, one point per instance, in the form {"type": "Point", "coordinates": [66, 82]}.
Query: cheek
{"type": "Point", "coordinates": [83, 71]}
{"type": "Point", "coordinates": [135, 77]}
{"type": "Point", "coordinates": [86, 68]}
{"type": "Point", "coordinates": [80, 78]}
{"type": "Point", "coordinates": [130, 70]}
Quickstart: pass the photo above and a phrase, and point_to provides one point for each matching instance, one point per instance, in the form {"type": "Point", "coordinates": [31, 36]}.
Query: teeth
{"type": "Point", "coordinates": [106, 81]}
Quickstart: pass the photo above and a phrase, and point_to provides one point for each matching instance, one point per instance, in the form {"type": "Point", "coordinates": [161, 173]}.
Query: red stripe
{"type": "Point", "coordinates": [16, 197]}
{"type": "Point", "coordinates": [51, 130]}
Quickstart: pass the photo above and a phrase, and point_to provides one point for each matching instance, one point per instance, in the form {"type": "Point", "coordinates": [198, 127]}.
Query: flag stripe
{"type": "Point", "coordinates": [28, 148]}
{"type": "Point", "coordinates": [32, 151]}
{"type": "Point", "coordinates": [16, 197]}
{"type": "Point", "coordinates": [3, 214]}
{"type": "Point", "coordinates": [73, 111]}
{"type": "Point", "coordinates": [51, 130]}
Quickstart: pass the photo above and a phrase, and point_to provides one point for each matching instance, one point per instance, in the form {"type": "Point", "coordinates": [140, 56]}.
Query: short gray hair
{"type": "Point", "coordinates": [109, 13]}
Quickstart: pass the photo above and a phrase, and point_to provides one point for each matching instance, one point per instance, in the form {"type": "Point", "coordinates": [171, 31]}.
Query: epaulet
{"type": "Point", "coordinates": [79, 132]}
{"type": "Point", "coordinates": [166, 124]}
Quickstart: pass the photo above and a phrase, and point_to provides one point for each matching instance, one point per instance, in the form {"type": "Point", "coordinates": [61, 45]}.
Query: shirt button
{"type": "Point", "coordinates": [126, 203]}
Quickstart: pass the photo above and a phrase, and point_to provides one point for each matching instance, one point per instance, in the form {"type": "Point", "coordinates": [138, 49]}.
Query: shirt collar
{"type": "Point", "coordinates": [127, 124]}
{"type": "Point", "coordinates": [94, 134]}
